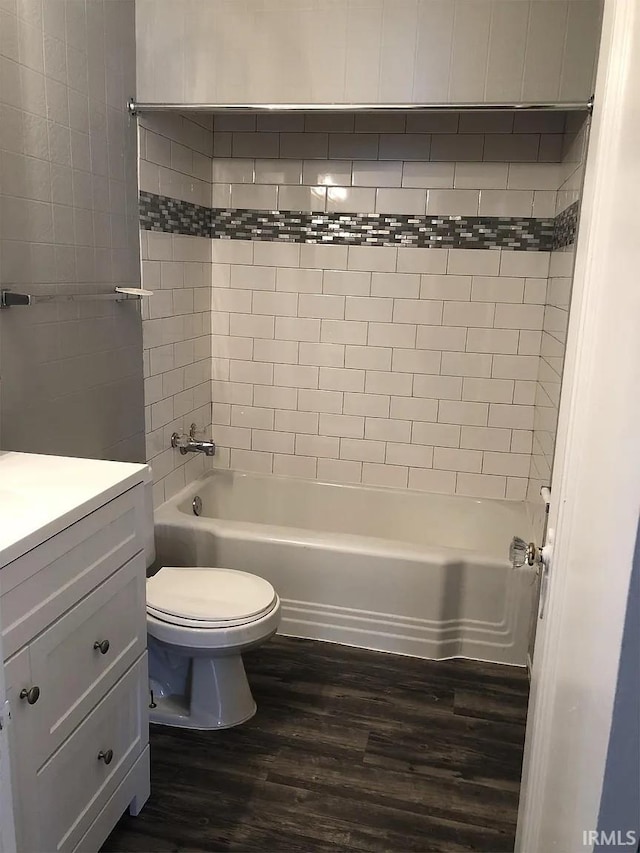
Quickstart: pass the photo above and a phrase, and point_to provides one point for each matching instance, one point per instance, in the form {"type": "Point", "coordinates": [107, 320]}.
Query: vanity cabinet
{"type": "Point", "coordinates": [73, 619]}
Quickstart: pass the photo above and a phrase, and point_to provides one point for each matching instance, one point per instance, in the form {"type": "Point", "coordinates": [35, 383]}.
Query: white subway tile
{"type": "Point", "coordinates": [272, 303]}
{"type": "Point", "coordinates": [343, 332]}
{"type": "Point", "coordinates": [413, 455]}
{"type": "Point", "coordinates": [449, 287]}
{"type": "Point", "coordinates": [481, 485]}
{"type": "Point", "coordinates": [412, 260]}
{"type": "Point", "coordinates": [327, 173]}
{"type": "Point", "coordinates": [304, 146]}
{"type": "Point", "coordinates": [530, 343]}
{"type": "Point", "coordinates": [297, 329]}
{"type": "Point", "coordinates": [414, 409]}
{"type": "Point", "coordinates": [254, 197]}
{"type": "Point", "coordinates": [362, 450]}
{"type": "Point", "coordinates": [345, 426]}
{"type": "Point", "coordinates": [341, 379]}
{"type": "Point", "coordinates": [368, 357]}
{"type": "Point", "coordinates": [521, 441]}
{"type": "Point", "coordinates": [387, 429]}
{"type": "Point", "coordinates": [233, 437]}
{"type": "Point", "coordinates": [397, 285]}
{"type": "Point", "coordinates": [351, 199]}
{"type": "Point", "coordinates": [466, 364]}
{"type": "Point", "coordinates": [477, 314]}
{"type": "Point", "coordinates": [251, 372]}
{"type": "Point", "coordinates": [276, 254]}
{"type": "Point", "coordinates": [515, 367]}
{"type": "Point", "coordinates": [402, 146]}
{"type": "Point", "coordinates": [440, 435]}
{"type": "Point", "coordinates": [517, 203]}
{"type": "Point", "coordinates": [295, 376]}
{"type": "Point", "coordinates": [299, 281]}
{"type": "Point", "coordinates": [368, 308]}
{"type": "Point", "coordinates": [391, 335]}
{"type": "Point", "coordinates": [372, 259]}
{"type": "Point", "coordinates": [295, 466]}
{"type": "Point", "coordinates": [485, 438]}
{"type": "Point", "coordinates": [438, 387]}
{"type": "Point", "coordinates": [492, 341]}
{"type": "Point", "coordinates": [535, 176]}
{"type": "Point", "coordinates": [464, 414]}
{"type": "Point", "coordinates": [302, 198]}
{"type": "Point", "coordinates": [232, 251]}
{"type": "Point", "coordinates": [251, 326]}
{"type": "Point", "coordinates": [231, 392]}
{"type": "Point", "coordinates": [454, 459]}
{"type": "Point", "coordinates": [428, 175]}
{"type": "Point", "coordinates": [517, 488]}
{"type": "Point", "coordinates": [488, 390]}
{"type": "Point", "coordinates": [525, 392]}
{"type": "Point", "coordinates": [339, 471]}
{"type": "Point", "coordinates": [347, 283]}
{"type": "Point", "coordinates": [277, 171]}
{"type": "Point", "coordinates": [377, 173]}
{"type": "Point", "coordinates": [253, 278]}
{"type": "Point", "coordinates": [519, 316]}
{"type": "Point", "coordinates": [283, 352]}
{"type": "Point", "coordinates": [320, 401]}
{"type": "Point", "coordinates": [457, 147]}
{"type": "Point", "coordinates": [254, 461]}
{"type": "Point", "coordinates": [252, 417]}
{"type": "Point", "coordinates": [481, 176]}
{"type": "Point", "coordinates": [416, 361]}
{"type": "Point", "coordinates": [401, 201]}
{"type": "Point", "coordinates": [322, 355]}
{"type": "Point", "coordinates": [511, 417]}
{"type": "Point", "coordinates": [319, 256]}
{"type": "Point", "coordinates": [272, 442]}
{"type": "Point", "coordinates": [324, 307]}
{"type": "Point", "coordinates": [476, 261]}
{"type": "Point", "coordinates": [450, 338]}
{"type": "Point", "coordinates": [370, 405]}
{"type": "Point", "coordinates": [275, 397]}
{"type": "Point", "coordinates": [298, 422]}
{"type": "Point", "coordinates": [386, 382]}
{"type": "Point", "coordinates": [452, 202]}
{"type": "Point", "coordinates": [510, 148]}
{"type": "Point", "coordinates": [233, 170]}
{"type": "Point", "coordinates": [394, 476]}
{"type": "Point", "coordinates": [524, 264]}
{"type": "Point", "coordinates": [428, 480]}
{"type": "Point", "coordinates": [497, 289]}
{"type": "Point", "coordinates": [535, 291]}
{"type": "Point", "coordinates": [318, 445]}
{"type": "Point", "coordinates": [507, 464]}
{"type": "Point", "coordinates": [354, 146]}
{"type": "Point", "coordinates": [424, 311]}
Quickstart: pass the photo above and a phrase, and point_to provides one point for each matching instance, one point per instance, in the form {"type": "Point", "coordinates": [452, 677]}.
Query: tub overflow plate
{"type": "Point", "coordinates": [197, 505]}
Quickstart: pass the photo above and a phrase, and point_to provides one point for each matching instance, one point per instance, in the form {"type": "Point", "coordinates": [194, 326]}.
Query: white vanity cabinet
{"type": "Point", "coordinates": [73, 622]}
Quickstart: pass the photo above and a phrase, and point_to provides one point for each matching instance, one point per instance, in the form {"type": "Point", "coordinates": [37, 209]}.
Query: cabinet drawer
{"type": "Point", "coordinates": [73, 786]}
{"type": "Point", "coordinates": [40, 586]}
{"type": "Point", "coordinates": [71, 674]}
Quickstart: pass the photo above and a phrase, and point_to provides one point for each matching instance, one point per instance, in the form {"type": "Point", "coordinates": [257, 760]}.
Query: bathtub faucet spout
{"type": "Point", "coordinates": [191, 444]}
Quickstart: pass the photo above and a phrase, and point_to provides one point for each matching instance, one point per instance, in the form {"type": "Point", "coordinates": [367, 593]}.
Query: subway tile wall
{"type": "Point", "coordinates": [406, 367]}
{"type": "Point", "coordinates": [556, 315]}
{"type": "Point", "coordinates": [72, 372]}
{"type": "Point", "coordinates": [175, 159]}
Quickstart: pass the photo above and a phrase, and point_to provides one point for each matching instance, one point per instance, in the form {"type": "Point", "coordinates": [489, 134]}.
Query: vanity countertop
{"type": "Point", "coordinates": [41, 495]}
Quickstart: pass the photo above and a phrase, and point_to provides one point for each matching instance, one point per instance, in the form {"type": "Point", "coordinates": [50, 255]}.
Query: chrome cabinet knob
{"type": "Point", "coordinates": [32, 695]}
{"type": "Point", "coordinates": [101, 646]}
{"type": "Point", "coordinates": [106, 756]}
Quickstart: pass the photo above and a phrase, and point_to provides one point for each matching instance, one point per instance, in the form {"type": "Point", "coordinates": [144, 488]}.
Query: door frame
{"type": "Point", "coordinates": [595, 499]}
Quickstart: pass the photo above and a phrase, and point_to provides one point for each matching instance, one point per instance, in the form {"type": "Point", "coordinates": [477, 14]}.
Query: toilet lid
{"type": "Point", "coordinates": [208, 595]}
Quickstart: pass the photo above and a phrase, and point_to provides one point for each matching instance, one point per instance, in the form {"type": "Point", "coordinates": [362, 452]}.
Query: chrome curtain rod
{"type": "Point", "coordinates": [136, 107]}
{"type": "Point", "coordinates": [10, 299]}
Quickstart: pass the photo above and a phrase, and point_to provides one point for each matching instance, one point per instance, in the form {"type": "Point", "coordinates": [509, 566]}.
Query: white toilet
{"type": "Point", "coordinates": [199, 621]}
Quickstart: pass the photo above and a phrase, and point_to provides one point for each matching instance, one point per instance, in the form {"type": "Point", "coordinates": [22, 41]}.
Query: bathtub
{"type": "Point", "coordinates": [397, 571]}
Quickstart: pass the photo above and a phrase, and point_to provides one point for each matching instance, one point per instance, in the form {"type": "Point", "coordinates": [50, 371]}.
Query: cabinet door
{"type": "Point", "coordinates": [82, 655]}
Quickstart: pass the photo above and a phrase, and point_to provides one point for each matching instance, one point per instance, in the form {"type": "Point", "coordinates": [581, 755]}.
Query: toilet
{"type": "Point", "coordinates": [199, 621]}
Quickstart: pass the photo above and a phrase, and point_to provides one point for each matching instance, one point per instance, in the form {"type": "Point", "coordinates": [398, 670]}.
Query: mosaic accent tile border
{"type": "Point", "coordinates": [566, 226]}
{"type": "Point", "coordinates": [521, 234]}
{"type": "Point", "coordinates": [161, 213]}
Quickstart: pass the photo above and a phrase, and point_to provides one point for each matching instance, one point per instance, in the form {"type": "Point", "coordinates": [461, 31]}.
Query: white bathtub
{"type": "Point", "coordinates": [398, 571]}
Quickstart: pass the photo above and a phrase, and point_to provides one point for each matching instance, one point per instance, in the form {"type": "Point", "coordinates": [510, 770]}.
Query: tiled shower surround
{"type": "Point", "coordinates": [411, 363]}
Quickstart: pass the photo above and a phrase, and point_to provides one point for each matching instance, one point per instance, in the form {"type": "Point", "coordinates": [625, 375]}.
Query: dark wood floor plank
{"type": "Point", "coordinates": [350, 750]}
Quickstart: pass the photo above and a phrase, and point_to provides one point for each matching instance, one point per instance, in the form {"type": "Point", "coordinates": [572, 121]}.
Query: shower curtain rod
{"type": "Point", "coordinates": [135, 107]}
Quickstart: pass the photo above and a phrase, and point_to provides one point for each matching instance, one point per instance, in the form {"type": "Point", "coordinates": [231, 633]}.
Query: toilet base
{"type": "Point", "coordinates": [201, 692]}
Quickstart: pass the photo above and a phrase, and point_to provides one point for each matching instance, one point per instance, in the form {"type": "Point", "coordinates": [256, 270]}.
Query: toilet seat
{"type": "Point", "coordinates": [208, 598]}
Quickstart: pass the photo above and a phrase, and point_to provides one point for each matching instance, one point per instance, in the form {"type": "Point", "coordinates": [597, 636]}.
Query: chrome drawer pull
{"type": "Point", "coordinates": [103, 646]}
{"type": "Point", "coordinates": [32, 695]}
{"type": "Point", "coordinates": [107, 756]}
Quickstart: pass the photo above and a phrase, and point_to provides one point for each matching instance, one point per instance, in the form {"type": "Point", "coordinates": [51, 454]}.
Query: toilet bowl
{"type": "Point", "coordinates": [199, 621]}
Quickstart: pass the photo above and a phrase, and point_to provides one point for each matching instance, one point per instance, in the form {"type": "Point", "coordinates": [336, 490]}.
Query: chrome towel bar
{"type": "Point", "coordinates": [10, 299]}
